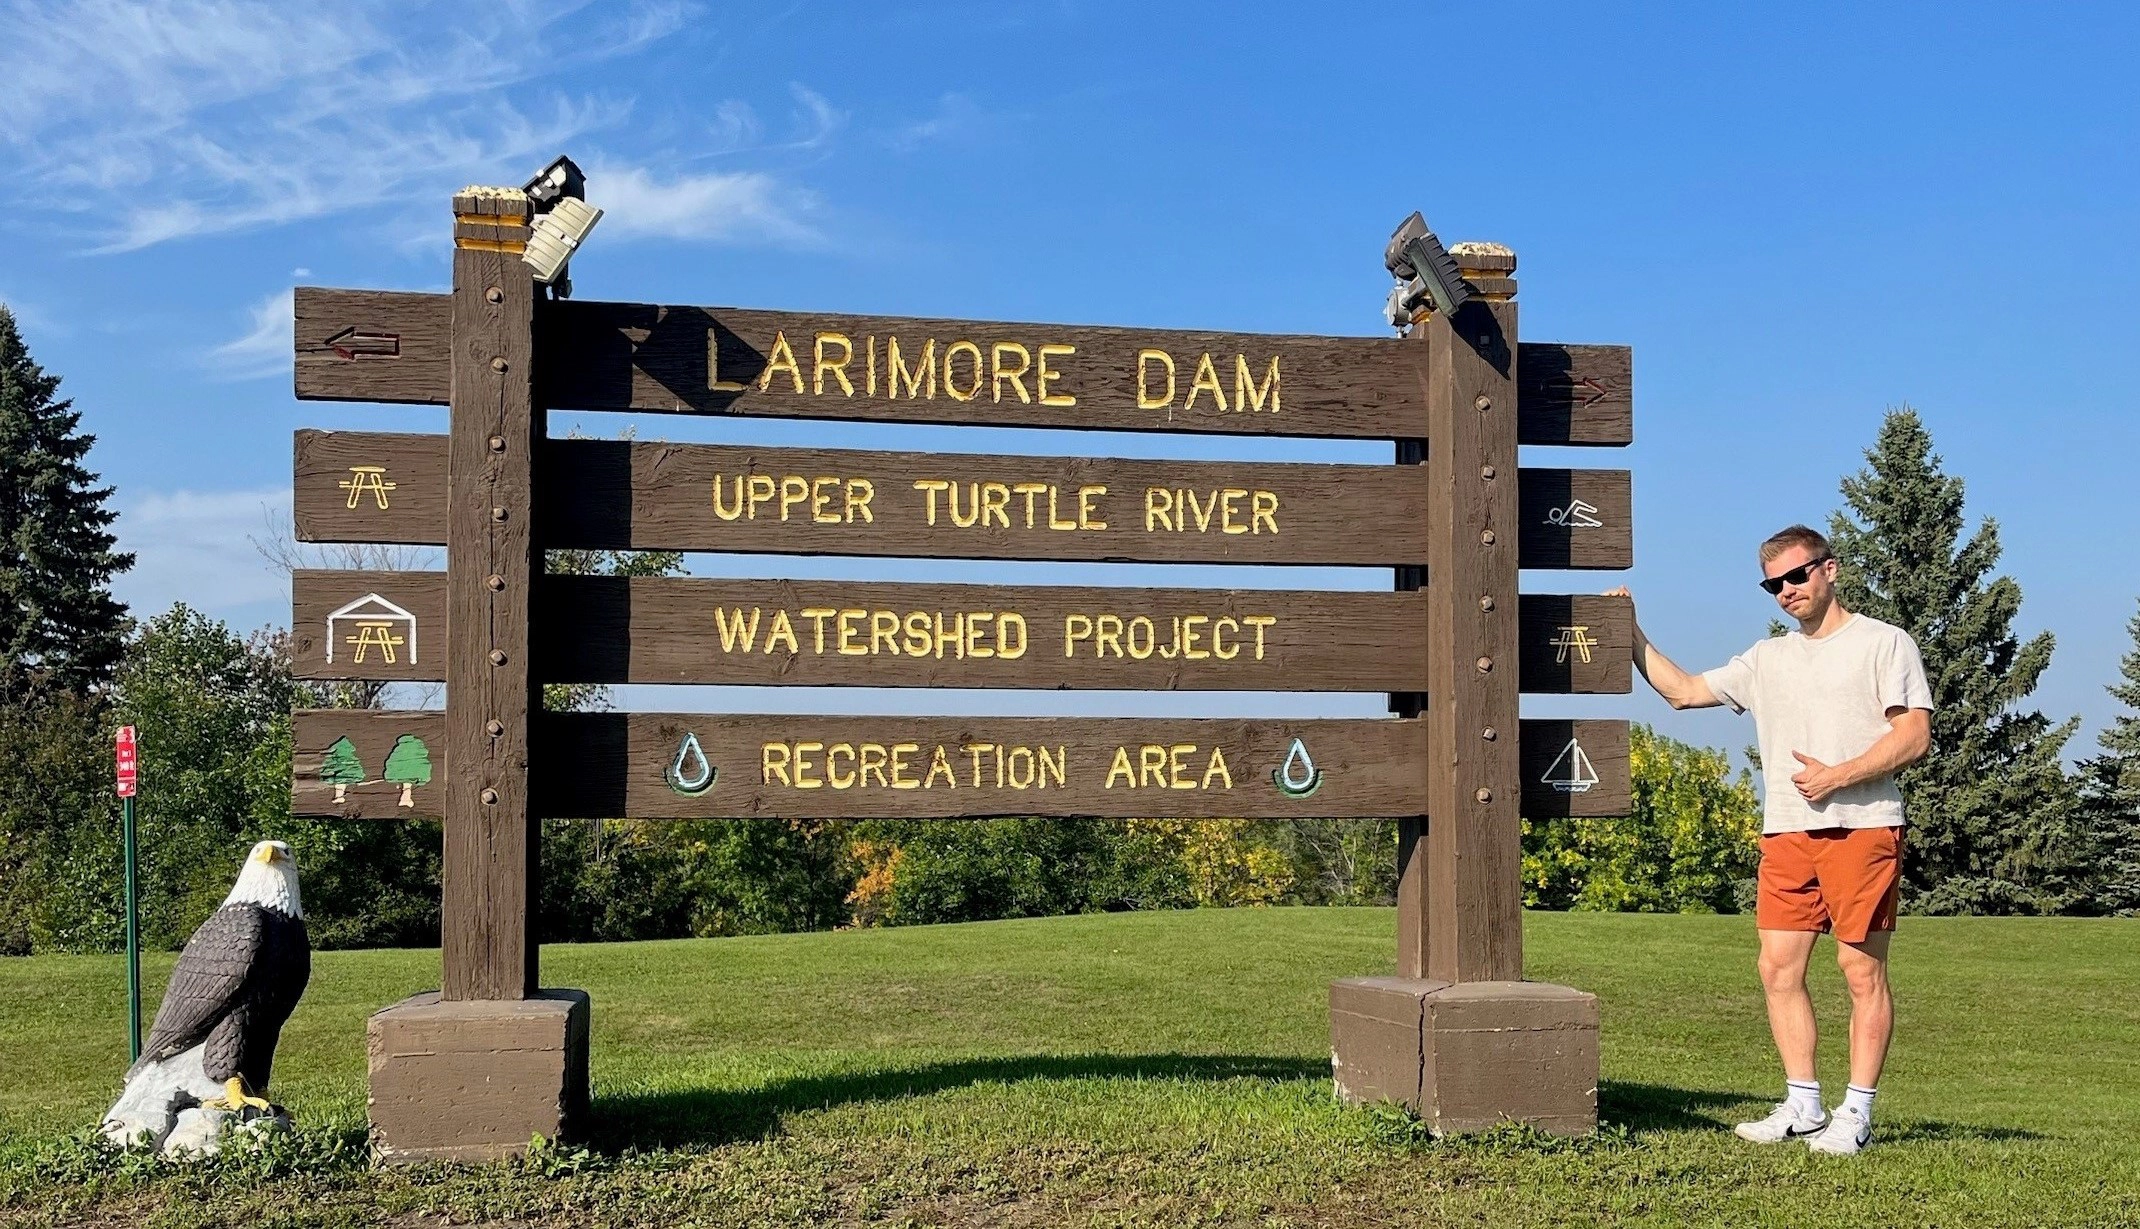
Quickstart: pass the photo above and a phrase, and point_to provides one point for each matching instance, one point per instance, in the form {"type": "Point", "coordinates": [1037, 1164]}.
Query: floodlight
{"type": "Point", "coordinates": [560, 179]}
{"type": "Point", "coordinates": [557, 195]}
{"type": "Point", "coordinates": [1425, 271]}
{"type": "Point", "coordinates": [557, 234]}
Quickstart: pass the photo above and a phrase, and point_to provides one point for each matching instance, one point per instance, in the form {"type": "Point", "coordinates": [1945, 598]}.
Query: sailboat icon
{"type": "Point", "coordinates": [1571, 771]}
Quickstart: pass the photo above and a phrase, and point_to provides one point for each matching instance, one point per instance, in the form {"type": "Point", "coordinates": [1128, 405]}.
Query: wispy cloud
{"type": "Point", "coordinates": [956, 117]}
{"type": "Point", "coordinates": [722, 207]}
{"type": "Point", "coordinates": [196, 547]}
{"type": "Point", "coordinates": [136, 124]}
{"type": "Point", "coordinates": [265, 349]}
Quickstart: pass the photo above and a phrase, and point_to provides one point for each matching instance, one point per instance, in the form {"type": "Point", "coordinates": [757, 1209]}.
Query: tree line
{"type": "Point", "coordinates": [1999, 823]}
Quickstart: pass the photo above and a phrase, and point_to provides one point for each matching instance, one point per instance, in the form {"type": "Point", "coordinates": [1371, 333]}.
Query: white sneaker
{"type": "Point", "coordinates": [1783, 1124]}
{"type": "Point", "coordinates": [1847, 1132]}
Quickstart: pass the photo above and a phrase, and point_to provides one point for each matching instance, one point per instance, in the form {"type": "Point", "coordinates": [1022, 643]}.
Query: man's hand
{"type": "Point", "coordinates": [1815, 780]}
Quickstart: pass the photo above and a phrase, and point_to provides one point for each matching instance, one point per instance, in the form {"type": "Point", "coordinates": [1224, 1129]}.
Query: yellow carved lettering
{"type": "Point", "coordinates": [1259, 622]}
{"type": "Point", "coordinates": [921, 381]}
{"type": "Point", "coordinates": [1227, 499]}
{"type": "Point", "coordinates": [803, 766]}
{"type": "Point", "coordinates": [1041, 376]}
{"type": "Point", "coordinates": [734, 630]}
{"type": "Point", "coordinates": [901, 776]}
{"type": "Point", "coordinates": [1245, 391]}
{"type": "Point", "coordinates": [782, 629]}
{"type": "Point", "coordinates": [819, 366]}
{"type": "Point", "coordinates": [1176, 769]}
{"type": "Point", "coordinates": [1085, 511]}
{"type": "Point", "coordinates": [1151, 767]}
{"type": "Point", "coordinates": [832, 772]}
{"type": "Point", "coordinates": [849, 629]}
{"type": "Point", "coordinates": [817, 616]}
{"type": "Point", "coordinates": [872, 764]}
{"type": "Point", "coordinates": [821, 501]}
{"type": "Point", "coordinates": [930, 486]}
{"type": "Point", "coordinates": [773, 762]}
{"type": "Point", "coordinates": [1120, 766]}
{"type": "Point", "coordinates": [951, 385]}
{"type": "Point", "coordinates": [1207, 380]}
{"type": "Point", "coordinates": [998, 373]}
{"type": "Point", "coordinates": [714, 382]}
{"type": "Point", "coordinates": [1263, 511]}
{"type": "Point", "coordinates": [783, 359]}
{"type": "Point", "coordinates": [1009, 646]}
{"type": "Point", "coordinates": [939, 763]}
{"type": "Point", "coordinates": [1145, 399]}
{"type": "Point", "coordinates": [1217, 766]}
{"type": "Point", "coordinates": [859, 492]}
{"type": "Point", "coordinates": [794, 492]}
{"type": "Point", "coordinates": [1076, 627]}
{"type": "Point", "coordinates": [721, 510]}
{"type": "Point", "coordinates": [1158, 509]}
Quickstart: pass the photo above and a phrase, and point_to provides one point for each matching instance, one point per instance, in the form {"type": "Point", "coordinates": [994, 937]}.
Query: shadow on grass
{"type": "Point", "coordinates": [1656, 1107]}
{"type": "Point", "coordinates": [721, 1115]}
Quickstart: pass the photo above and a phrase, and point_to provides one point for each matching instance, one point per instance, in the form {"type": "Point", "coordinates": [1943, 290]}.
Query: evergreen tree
{"type": "Point", "coordinates": [1992, 814]}
{"type": "Point", "coordinates": [2110, 792]}
{"type": "Point", "coordinates": [59, 626]}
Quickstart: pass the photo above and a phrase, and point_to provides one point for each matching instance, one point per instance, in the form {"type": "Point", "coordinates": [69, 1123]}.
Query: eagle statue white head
{"type": "Point", "coordinates": [238, 979]}
{"type": "Point", "coordinates": [269, 880]}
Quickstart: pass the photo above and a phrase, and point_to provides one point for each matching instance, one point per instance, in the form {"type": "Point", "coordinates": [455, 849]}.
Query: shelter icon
{"type": "Point", "coordinates": [372, 623]}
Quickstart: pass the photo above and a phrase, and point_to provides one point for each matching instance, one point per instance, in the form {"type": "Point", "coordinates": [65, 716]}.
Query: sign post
{"type": "Point", "coordinates": [126, 775]}
{"type": "Point", "coordinates": [475, 1070]}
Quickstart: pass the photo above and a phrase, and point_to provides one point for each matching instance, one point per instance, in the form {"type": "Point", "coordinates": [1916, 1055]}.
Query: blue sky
{"type": "Point", "coordinates": [1797, 217]}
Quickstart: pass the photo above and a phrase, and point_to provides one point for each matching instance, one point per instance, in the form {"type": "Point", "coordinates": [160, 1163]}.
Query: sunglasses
{"type": "Point", "coordinates": [1796, 576]}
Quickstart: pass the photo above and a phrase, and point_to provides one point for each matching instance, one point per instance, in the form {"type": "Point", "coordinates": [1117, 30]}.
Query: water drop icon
{"type": "Point", "coordinates": [691, 773]}
{"type": "Point", "coordinates": [1298, 777]}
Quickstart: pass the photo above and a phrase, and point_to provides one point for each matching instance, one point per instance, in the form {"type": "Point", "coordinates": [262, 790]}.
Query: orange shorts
{"type": "Point", "coordinates": [1840, 879]}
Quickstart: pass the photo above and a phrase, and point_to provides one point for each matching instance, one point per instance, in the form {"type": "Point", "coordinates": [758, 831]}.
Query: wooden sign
{"type": "Point", "coordinates": [600, 629]}
{"type": "Point", "coordinates": [384, 764]}
{"type": "Point", "coordinates": [375, 487]}
{"type": "Point", "coordinates": [357, 345]}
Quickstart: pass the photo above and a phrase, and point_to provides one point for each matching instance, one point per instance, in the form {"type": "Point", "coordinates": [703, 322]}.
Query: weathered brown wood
{"type": "Point", "coordinates": [1575, 518]}
{"type": "Point", "coordinates": [1576, 643]}
{"type": "Point", "coordinates": [615, 765]}
{"type": "Point", "coordinates": [1549, 757]}
{"type": "Point", "coordinates": [599, 629]}
{"type": "Point", "coordinates": [372, 345]}
{"type": "Point", "coordinates": [644, 357]}
{"type": "Point", "coordinates": [595, 765]}
{"type": "Point", "coordinates": [1470, 927]}
{"type": "Point", "coordinates": [610, 494]}
{"type": "Point", "coordinates": [1575, 394]}
{"type": "Point", "coordinates": [489, 871]}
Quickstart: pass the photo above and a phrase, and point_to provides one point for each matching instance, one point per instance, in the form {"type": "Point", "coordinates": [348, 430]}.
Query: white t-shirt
{"type": "Point", "coordinates": [1829, 699]}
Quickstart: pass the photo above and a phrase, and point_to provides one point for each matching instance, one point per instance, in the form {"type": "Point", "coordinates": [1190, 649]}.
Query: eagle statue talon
{"type": "Point", "coordinates": [213, 1043]}
{"type": "Point", "coordinates": [235, 1098]}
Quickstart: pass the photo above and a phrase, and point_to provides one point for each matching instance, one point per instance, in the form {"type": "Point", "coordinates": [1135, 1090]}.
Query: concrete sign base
{"type": "Point", "coordinates": [1466, 1057]}
{"type": "Point", "coordinates": [476, 1080]}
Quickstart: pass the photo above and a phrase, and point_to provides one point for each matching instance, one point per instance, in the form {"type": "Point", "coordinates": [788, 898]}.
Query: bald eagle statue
{"type": "Point", "coordinates": [237, 980]}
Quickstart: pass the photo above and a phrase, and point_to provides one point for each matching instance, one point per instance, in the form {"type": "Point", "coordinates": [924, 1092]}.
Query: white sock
{"type": "Point", "coordinates": [1859, 1099]}
{"type": "Point", "coordinates": [1803, 1096]}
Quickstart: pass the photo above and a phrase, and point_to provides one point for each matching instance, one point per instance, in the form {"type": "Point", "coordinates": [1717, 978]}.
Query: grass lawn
{"type": "Point", "coordinates": [1155, 1068]}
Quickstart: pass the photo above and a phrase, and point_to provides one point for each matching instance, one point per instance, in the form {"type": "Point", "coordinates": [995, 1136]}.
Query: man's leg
{"type": "Point", "coordinates": [1872, 1006]}
{"type": "Point", "coordinates": [1784, 956]}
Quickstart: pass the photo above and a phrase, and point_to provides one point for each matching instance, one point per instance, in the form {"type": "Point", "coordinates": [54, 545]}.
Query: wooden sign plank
{"type": "Point", "coordinates": [1576, 643]}
{"type": "Point", "coordinates": [612, 494]}
{"type": "Point", "coordinates": [1576, 768]}
{"type": "Point", "coordinates": [1575, 518]}
{"type": "Point", "coordinates": [601, 629]}
{"type": "Point", "coordinates": [381, 764]}
{"type": "Point", "coordinates": [354, 345]}
{"type": "Point", "coordinates": [598, 629]}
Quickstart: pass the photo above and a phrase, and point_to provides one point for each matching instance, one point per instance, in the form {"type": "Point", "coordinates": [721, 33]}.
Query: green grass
{"type": "Point", "coordinates": [1160, 1068]}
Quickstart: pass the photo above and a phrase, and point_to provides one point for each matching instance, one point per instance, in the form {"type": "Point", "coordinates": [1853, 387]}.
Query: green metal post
{"type": "Point", "coordinates": [133, 939]}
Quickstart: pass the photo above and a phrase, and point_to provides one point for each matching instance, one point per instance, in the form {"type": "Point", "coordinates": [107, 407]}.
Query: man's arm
{"type": "Point", "coordinates": [1679, 688]}
{"type": "Point", "coordinates": [1908, 739]}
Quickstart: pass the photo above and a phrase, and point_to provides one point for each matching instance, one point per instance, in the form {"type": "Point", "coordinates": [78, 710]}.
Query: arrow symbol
{"type": "Point", "coordinates": [353, 343]}
{"type": "Point", "coordinates": [1576, 388]}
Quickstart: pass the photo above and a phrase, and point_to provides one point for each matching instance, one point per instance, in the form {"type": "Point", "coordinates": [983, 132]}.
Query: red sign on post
{"type": "Point", "coordinates": [126, 764]}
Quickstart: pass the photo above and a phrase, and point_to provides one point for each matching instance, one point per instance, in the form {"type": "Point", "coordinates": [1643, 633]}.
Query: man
{"type": "Point", "coordinates": [1840, 706]}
